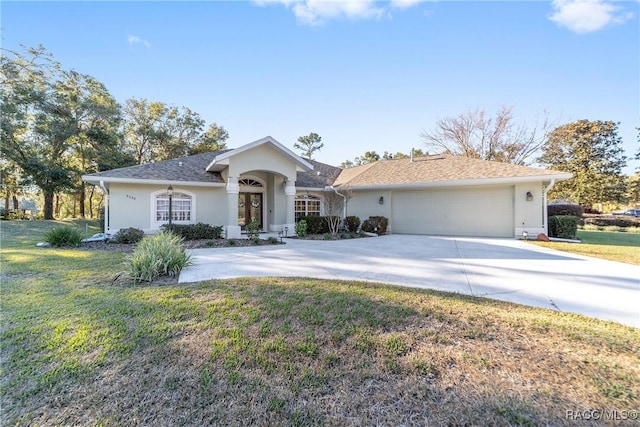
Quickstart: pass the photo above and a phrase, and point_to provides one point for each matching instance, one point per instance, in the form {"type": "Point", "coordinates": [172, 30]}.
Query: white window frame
{"type": "Point", "coordinates": [177, 193]}
{"type": "Point", "coordinates": [306, 198]}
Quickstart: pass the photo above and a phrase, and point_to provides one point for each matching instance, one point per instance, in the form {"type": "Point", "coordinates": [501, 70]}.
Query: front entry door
{"type": "Point", "coordinates": [249, 208]}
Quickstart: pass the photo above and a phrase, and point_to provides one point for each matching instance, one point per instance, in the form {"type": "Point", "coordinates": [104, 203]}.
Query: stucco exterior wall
{"type": "Point", "coordinates": [262, 158]}
{"type": "Point", "coordinates": [367, 203]}
{"type": "Point", "coordinates": [529, 215]}
{"type": "Point", "coordinates": [131, 205]}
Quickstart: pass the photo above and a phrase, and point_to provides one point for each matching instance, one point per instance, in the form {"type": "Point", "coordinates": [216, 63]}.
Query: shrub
{"type": "Point", "coordinates": [63, 236]}
{"type": "Point", "coordinates": [565, 209]}
{"type": "Point", "coordinates": [128, 235]}
{"type": "Point", "coordinates": [197, 231]}
{"type": "Point", "coordinates": [253, 231]}
{"type": "Point", "coordinates": [272, 240]}
{"type": "Point", "coordinates": [352, 223]}
{"type": "Point", "coordinates": [315, 224]}
{"type": "Point", "coordinates": [159, 255]}
{"type": "Point", "coordinates": [612, 220]}
{"type": "Point", "coordinates": [301, 228]}
{"type": "Point", "coordinates": [563, 226]}
{"type": "Point", "coordinates": [375, 224]}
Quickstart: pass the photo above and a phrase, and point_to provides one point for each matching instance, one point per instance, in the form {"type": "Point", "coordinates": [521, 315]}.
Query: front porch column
{"type": "Point", "coordinates": [290, 223]}
{"type": "Point", "coordinates": [232, 229]}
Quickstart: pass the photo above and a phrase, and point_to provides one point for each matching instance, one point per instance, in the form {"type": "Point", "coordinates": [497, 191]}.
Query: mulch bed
{"type": "Point", "coordinates": [187, 244]}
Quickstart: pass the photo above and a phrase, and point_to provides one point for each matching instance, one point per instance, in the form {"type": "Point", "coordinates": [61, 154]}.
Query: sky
{"type": "Point", "coordinates": [364, 75]}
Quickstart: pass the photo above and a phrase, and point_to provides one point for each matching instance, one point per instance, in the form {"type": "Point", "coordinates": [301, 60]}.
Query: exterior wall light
{"type": "Point", "coordinates": [529, 196]}
{"type": "Point", "coordinates": [381, 200]}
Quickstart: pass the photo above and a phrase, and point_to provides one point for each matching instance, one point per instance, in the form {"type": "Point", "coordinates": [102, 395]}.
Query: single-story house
{"type": "Point", "coordinates": [265, 181]}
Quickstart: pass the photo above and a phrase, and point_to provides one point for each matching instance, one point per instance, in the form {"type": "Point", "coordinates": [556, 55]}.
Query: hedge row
{"type": "Point", "coordinates": [194, 231]}
{"type": "Point", "coordinates": [611, 220]}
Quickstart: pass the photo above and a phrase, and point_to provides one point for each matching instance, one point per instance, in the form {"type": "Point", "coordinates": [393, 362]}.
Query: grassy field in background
{"type": "Point", "coordinates": [614, 246]}
{"type": "Point", "coordinates": [77, 350]}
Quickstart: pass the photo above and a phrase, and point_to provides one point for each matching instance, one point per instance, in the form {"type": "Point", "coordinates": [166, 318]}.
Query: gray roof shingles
{"type": "Point", "coordinates": [321, 176]}
{"type": "Point", "coordinates": [183, 169]}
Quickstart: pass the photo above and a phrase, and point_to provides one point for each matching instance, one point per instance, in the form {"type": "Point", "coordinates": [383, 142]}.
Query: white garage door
{"type": "Point", "coordinates": [454, 212]}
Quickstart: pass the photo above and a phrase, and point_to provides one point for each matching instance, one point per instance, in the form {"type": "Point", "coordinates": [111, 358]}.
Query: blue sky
{"type": "Point", "coordinates": [364, 75]}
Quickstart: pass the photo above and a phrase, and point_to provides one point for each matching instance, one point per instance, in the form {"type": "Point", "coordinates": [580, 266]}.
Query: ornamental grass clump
{"type": "Point", "coordinates": [159, 255]}
{"type": "Point", "coordinates": [63, 236]}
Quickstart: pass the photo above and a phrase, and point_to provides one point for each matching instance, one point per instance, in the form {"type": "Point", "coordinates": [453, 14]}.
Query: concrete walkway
{"type": "Point", "coordinates": [503, 269]}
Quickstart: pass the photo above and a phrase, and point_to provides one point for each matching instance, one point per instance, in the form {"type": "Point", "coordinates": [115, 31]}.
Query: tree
{"type": "Point", "coordinates": [154, 131]}
{"type": "Point", "coordinates": [366, 158]}
{"type": "Point", "coordinates": [33, 136]}
{"type": "Point", "coordinates": [474, 134]}
{"type": "Point", "coordinates": [213, 139]}
{"type": "Point", "coordinates": [89, 118]}
{"type": "Point", "coordinates": [309, 144]}
{"type": "Point", "coordinates": [592, 151]}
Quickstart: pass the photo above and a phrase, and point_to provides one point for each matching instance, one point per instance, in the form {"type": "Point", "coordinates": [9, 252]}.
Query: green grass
{"type": "Point", "coordinates": [77, 350]}
{"type": "Point", "coordinates": [614, 246]}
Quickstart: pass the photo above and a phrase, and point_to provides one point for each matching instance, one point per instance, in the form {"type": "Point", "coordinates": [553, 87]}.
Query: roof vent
{"type": "Point", "coordinates": [180, 164]}
{"type": "Point", "coordinates": [412, 154]}
{"type": "Point", "coordinates": [318, 173]}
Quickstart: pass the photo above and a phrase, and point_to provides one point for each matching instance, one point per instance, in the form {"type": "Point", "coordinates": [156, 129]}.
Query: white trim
{"type": "Point", "coordinates": [95, 180]}
{"type": "Point", "coordinates": [458, 183]}
{"type": "Point", "coordinates": [222, 159]}
{"type": "Point", "coordinates": [154, 224]}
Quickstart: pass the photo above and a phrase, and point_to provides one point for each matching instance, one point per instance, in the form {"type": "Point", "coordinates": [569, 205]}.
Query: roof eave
{"type": "Point", "coordinates": [95, 180]}
{"type": "Point", "coordinates": [459, 183]}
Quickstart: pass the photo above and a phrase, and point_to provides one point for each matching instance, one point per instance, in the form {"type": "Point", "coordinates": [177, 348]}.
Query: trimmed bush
{"type": "Point", "coordinates": [352, 223]}
{"type": "Point", "coordinates": [301, 228]}
{"type": "Point", "coordinates": [128, 235]}
{"type": "Point", "coordinates": [63, 236]}
{"type": "Point", "coordinates": [563, 226]}
{"type": "Point", "coordinates": [375, 224]}
{"type": "Point", "coordinates": [565, 209]}
{"type": "Point", "coordinates": [155, 256]}
{"type": "Point", "coordinates": [316, 224]}
{"type": "Point", "coordinates": [197, 231]}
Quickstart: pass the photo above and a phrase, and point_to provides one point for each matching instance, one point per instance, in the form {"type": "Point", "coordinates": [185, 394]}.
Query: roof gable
{"type": "Point", "coordinates": [221, 161]}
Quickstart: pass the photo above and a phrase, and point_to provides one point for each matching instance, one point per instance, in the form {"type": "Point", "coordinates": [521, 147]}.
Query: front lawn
{"type": "Point", "coordinates": [614, 246]}
{"type": "Point", "coordinates": [77, 350]}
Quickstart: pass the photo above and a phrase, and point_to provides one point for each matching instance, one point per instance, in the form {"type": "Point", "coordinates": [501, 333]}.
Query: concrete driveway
{"type": "Point", "coordinates": [503, 269]}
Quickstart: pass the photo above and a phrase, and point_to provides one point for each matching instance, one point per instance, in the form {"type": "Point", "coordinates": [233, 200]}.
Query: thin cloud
{"type": "Point", "coordinates": [135, 40]}
{"type": "Point", "coordinates": [315, 12]}
{"type": "Point", "coordinates": [585, 16]}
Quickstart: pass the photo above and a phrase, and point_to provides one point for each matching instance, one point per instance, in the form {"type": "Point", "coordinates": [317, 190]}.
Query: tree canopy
{"type": "Point", "coordinates": [309, 144]}
{"type": "Point", "coordinates": [57, 125]}
{"type": "Point", "coordinates": [592, 151]}
{"type": "Point", "coordinates": [476, 134]}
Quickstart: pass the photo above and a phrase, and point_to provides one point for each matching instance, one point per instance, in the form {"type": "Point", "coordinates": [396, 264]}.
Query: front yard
{"type": "Point", "coordinates": [614, 246]}
{"type": "Point", "coordinates": [77, 350]}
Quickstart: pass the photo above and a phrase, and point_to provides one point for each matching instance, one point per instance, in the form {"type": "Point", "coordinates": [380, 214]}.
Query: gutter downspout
{"type": "Point", "coordinates": [344, 200]}
{"type": "Point", "coordinates": [106, 207]}
{"type": "Point", "coordinates": [545, 211]}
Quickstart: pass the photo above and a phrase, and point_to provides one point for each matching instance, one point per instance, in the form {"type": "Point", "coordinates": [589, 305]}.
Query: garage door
{"type": "Point", "coordinates": [454, 212]}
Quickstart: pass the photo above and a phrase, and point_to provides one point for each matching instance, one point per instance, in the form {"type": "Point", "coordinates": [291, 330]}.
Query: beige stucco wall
{"type": "Point", "coordinates": [367, 203]}
{"type": "Point", "coordinates": [131, 205]}
{"type": "Point", "coordinates": [262, 158]}
{"type": "Point", "coordinates": [529, 215]}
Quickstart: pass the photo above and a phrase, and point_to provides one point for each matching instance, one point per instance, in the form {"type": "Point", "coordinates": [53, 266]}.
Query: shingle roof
{"type": "Point", "coordinates": [431, 169]}
{"type": "Point", "coordinates": [321, 175]}
{"type": "Point", "coordinates": [190, 168]}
